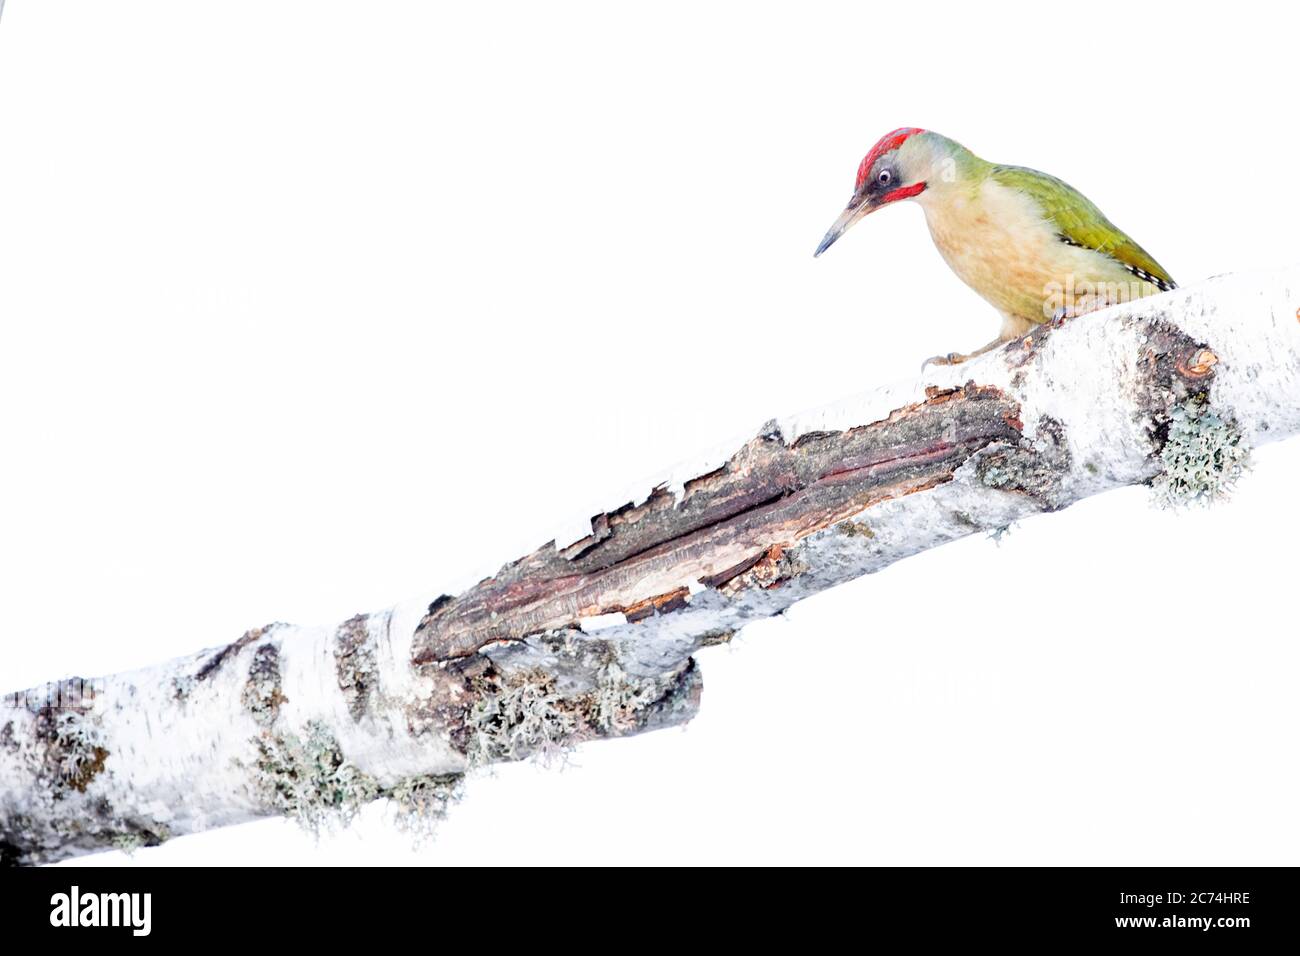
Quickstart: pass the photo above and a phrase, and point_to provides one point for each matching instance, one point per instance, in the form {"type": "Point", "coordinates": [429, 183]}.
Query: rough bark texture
{"type": "Point", "coordinates": [593, 637]}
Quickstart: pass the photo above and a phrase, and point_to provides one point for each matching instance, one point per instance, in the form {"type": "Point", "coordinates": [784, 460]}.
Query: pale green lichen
{"type": "Point", "coordinates": [1032, 468]}
{"type": "Point", "coordinates": [523, 714]}
{"type": "Point", "coordinates": [1204, 455]}
{"type": "Point", "coordinates": [130, 835]}
{"type": "Point", "coordinates": [515, 714]}
{"type": "Point", "coordinates": [421, 802]}
{"type": "Point", "coordinates": [74, 749]}
{"type": "Point", "coordinates": [619, 700]}
{"type": "Point", "coordinates": [518, 716]}
{"type": "Point", "coordinates": [308, 779]}
{"type": "Point", "coordinates": [128, 843]}
{"type": "Point", "coordinates": [712, 638]}
{"type": "Point", "coordinates": [997, 534]}
{"type": "Point", "coordinates": [855, 529]}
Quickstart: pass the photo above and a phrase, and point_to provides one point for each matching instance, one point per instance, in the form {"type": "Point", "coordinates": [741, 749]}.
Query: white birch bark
{"type": "Point", "coordinates": [592, 634]}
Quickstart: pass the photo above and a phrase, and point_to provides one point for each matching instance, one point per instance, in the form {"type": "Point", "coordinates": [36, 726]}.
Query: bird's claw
{"type": "Point", "coordinates": [952, 358]}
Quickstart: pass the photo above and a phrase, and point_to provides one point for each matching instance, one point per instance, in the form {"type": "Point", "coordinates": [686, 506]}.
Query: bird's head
{"type": "Point", "coordinates": [901, 166]}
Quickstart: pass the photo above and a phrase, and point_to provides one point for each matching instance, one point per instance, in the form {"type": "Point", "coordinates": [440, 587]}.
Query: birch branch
{"type": "Point", "coordinates": [592, 635]}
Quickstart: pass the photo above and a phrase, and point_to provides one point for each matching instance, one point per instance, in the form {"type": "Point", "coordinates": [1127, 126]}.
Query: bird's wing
{"type": "Point", "coordinates": [1080, 223]}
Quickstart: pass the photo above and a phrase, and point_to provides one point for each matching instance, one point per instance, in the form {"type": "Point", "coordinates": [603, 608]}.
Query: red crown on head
{"type": "Point", "coordinates": [889, 141]}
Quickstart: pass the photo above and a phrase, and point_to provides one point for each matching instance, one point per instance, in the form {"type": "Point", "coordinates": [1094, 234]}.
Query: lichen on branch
{"type": "Point", "coordinates": [1203, 457]}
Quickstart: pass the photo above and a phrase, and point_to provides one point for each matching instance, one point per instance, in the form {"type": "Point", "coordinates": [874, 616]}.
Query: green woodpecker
{"type": "Point", "coordinates": [1031, 245]}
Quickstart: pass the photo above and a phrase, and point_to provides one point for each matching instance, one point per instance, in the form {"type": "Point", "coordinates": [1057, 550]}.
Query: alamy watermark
{"type": "Point", "coordinates": [1076, 297]}
{"type": "Point", "coordinates": [75, 908]}
{"type": "Point", "coordinates": [75, 693]}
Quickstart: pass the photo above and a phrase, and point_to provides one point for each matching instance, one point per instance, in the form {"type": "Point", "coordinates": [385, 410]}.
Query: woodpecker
{"type": "Point", "coordinates": [1031, 245]}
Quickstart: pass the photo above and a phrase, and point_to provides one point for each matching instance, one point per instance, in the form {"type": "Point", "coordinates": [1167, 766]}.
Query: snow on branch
{"type": "Point", "coordinates": [593, 637]}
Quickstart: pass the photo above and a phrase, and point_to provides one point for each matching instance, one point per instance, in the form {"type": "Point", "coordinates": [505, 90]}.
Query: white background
{"type": "Point", "coordinates": [309, 306]}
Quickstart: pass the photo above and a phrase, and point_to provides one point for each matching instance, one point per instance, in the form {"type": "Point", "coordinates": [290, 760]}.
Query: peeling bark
{"type": "Point", "coordinates": [765, 498]}
{"type": "Point", "coordinates": [593, 637]}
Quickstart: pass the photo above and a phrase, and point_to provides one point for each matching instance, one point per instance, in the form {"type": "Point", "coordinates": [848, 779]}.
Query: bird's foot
{"type": "Point", "coordinates": [1080, 307]}
{"type": "Point", "coordinates": [952, 358]}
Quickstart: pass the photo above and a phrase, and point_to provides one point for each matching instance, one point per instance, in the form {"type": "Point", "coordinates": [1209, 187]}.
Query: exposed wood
{"type": "Point", "coordinates": [769, 495]}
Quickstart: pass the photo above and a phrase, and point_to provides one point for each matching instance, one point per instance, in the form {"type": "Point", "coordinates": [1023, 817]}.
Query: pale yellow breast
{"type": "Point", "coordinates": [998, 243]}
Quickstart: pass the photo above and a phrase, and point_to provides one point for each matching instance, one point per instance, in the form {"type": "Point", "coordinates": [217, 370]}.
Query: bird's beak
{"type": "Point", "coordinates": [859, 206]}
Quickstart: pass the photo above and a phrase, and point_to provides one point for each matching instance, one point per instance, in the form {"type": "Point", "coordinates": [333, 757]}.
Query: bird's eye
{"type": "Point", "coordinates": [883, 177]}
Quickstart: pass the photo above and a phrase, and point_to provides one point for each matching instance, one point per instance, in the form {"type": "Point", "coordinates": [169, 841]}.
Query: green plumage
{"type": "Point", "coordinates": [1081, 223]}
